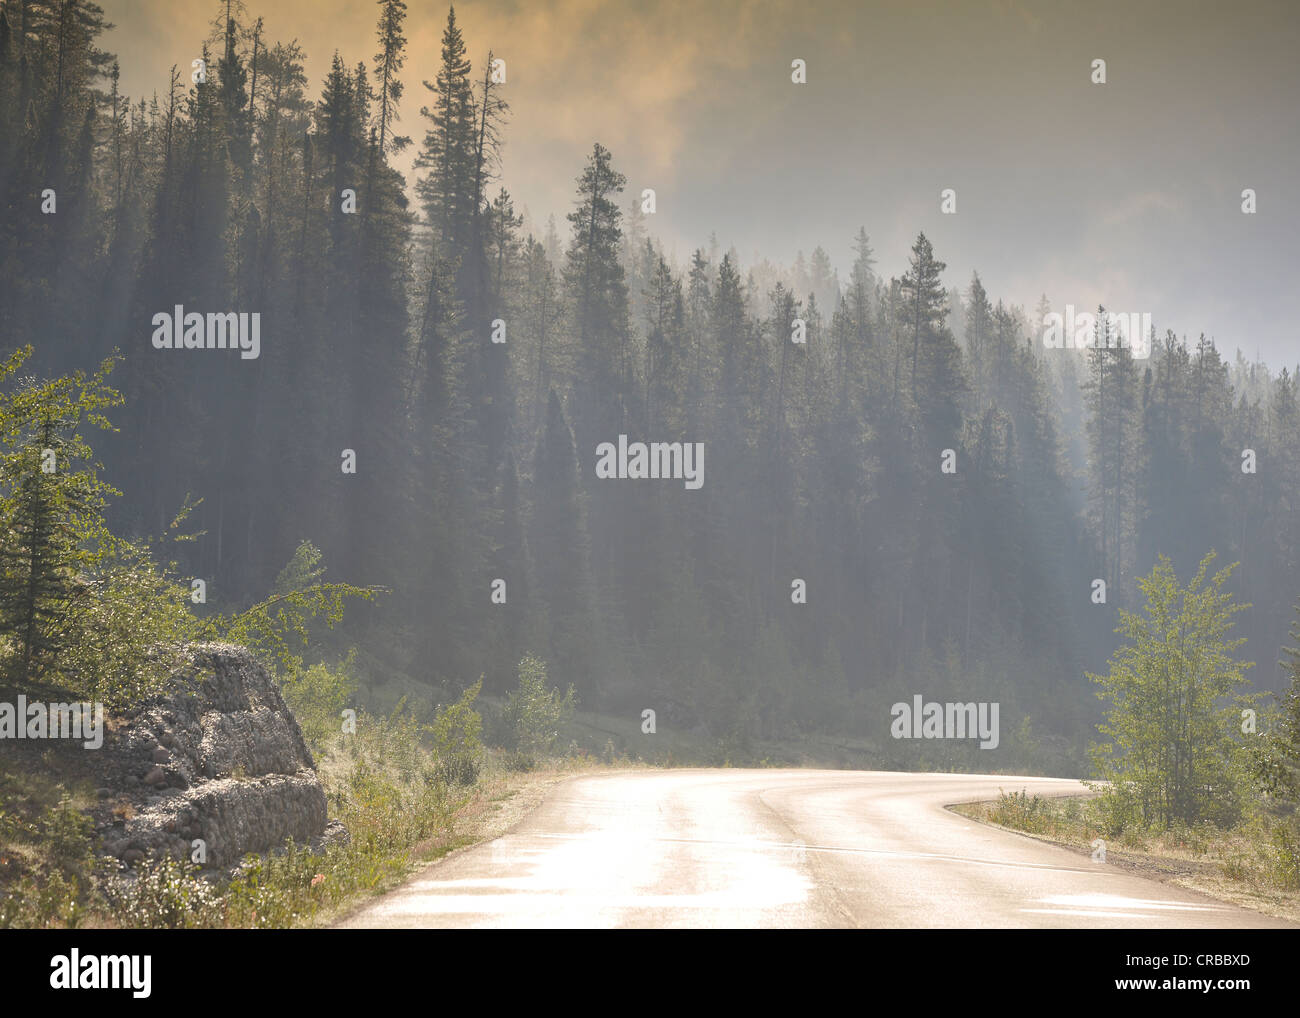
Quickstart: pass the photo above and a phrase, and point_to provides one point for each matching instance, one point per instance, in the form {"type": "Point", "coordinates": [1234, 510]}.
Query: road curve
{"type": "Point", "coordinates": [782, 848]}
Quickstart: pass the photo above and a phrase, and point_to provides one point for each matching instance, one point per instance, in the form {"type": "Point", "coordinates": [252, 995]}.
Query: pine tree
{"type": "Point", "coordinates": [52, 503]}
{"type": "Point", "coordinates": [667, 366]}
{"type": "Point", "coordinates": [447, 190]}
{"type": "Point", "coordinates": [559, 546]}
{"type": "Point", "coordinates": [926, 301]}
{"type": "Point", "coordinates": [854, 357]}
{"type": "Point", "coordinates": [1112, 404]}
{"type": "Point", "coordinates": [388, 69]}
{"type": "Point", "coordinates": [513, 562]}
{"type": "Point", "coordinates": [543, 311]}
{"type": "Point", "coordinates": [597, 297]}
{"type": "Point", "coordinates": [979, 326]}
{"type": "Point", "coordinates": [234, 102]}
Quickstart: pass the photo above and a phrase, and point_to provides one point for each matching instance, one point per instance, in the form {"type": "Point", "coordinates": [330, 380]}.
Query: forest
{"type": "Point", "coordinates": [908, 491]}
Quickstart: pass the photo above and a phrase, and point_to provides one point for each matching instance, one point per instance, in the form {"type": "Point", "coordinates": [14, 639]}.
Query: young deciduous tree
{"type": "Point", "coordinates": [1277, 754]}
{"type": "Point", "coordinates": [1173, 703]}
{"type": "Point", "coordinates": [536, 711]}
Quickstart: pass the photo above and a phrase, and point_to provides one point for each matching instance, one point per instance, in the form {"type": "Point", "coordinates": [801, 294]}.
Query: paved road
{"type": "Point", "coordinates": [782, 848]}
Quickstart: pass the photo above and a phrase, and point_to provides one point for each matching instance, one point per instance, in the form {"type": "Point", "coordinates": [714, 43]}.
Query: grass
{"type": "Point", "coordinates": [1255, 864]}
{"type": "Point", "coordinates": [384, 782]}
{"type": "Point", "coordinates": [47, 865]}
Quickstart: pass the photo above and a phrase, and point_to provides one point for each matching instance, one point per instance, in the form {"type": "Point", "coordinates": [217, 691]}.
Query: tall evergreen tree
{"type": "Point", "coordinates": [447, 189]}
{"type": "Point", "coordinates": [388, 69]}
{"type": "Point", "coordinates": [560, 549]}
{"type": "Point", "coordinates": [597, 297]}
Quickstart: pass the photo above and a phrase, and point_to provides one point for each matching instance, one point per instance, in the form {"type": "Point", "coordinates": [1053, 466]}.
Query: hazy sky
{"type": "Point", "coordinates": [1127, 193]}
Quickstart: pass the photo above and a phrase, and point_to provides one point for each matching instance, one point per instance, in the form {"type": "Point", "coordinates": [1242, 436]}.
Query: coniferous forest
{"type": "Point", "coordinates": [904, 488]}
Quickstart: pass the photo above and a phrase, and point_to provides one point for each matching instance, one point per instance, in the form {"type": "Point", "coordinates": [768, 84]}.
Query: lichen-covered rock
{"type": "Point", "coordinates": [219, 759]}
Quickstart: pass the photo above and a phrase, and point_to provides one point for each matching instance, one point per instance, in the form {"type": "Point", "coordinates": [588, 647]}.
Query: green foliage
{"type": "Point", "coordinates": [81, 611]}
{"type": "Point", "coordinates": [1118, 811]}
{"type": "Point", "coordinates": [67, 833]}
{"type": "Point", "coordinates": [1264, 854]}
{"type": "Point", "coordinates": [302, 571]}
{"type": "Point", "coordinates": [536, 712]}
{"type": "Point", "coordinates": [317, 695]}
{"type": "Point", "coordinates": [1021, 811]}
{"type": "Point", "coordinates": [384, 785]}
{"type": "Point", "coordinates": [51, 516]}
{"type": "Point", "coordinates": [275, 628]}
{"type": "Point", "coordinates": [274, 891]}
{"type": "Point", "coordinates": [1173, 705]}
{"type": "Point", "coordinates": [1276, 754]}
{"type": "Point", "coordinates": [52, 849]}
{"type": "Point", "coordinates": [1286, 857]}
{"type": "Point", "coordinates": [167, 894]}
{"type": "Point", "coordinates": [128, 628]}
{"type": "Point", "coordinates": [457, 739]}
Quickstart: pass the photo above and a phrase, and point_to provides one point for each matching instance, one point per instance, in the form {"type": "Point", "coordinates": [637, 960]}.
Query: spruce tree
{"type": "Point", "coordinates": [388, 70]}
{"type": "Point", "coordinates": [447, 189]}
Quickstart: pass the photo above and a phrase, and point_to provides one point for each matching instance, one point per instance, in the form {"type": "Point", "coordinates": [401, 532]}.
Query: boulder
{"type": "Point", "coordinates": [217, 757]}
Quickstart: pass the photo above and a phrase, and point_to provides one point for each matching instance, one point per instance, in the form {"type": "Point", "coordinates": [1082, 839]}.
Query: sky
{"type": "Point", "coordinates": [1127, 193]}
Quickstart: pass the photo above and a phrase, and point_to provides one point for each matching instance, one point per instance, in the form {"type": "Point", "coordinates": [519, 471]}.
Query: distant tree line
{"type": "Point", "coordinates": [474, 459]}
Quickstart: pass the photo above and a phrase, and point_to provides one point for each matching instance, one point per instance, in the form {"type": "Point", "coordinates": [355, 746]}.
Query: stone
{"type": "Point", "coordinates": [221, 716]}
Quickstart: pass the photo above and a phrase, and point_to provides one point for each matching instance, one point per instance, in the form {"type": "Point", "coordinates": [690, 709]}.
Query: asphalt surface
{"type": "Point", "coordinates": [783, 848]}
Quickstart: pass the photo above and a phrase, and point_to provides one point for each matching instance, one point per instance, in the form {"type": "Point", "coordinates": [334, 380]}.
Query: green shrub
{"type": "Point", "coordinates": [1286, 857]}
{"type": "Point", "coordinates": [317, 697]}
{"type": "Point", "coordinates": [69, 836]}
{"type": "Point", "coordinates": [457, 739]}
{"type": "Point", "coordinates": [1116, 810]}
{"type": "Point", "coordinates": [518, 762]}
{"type": "Point", "coordinates": [59, 887]}
{"type": "Point", "coordinates": [167, 894]}
{"type": "Point", "coordinates": [1021, 811]}
{"type": "Point", "coordinates": [536, 711]}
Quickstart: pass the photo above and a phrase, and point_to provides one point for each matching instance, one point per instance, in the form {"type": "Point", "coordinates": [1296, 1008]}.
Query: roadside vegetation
{"type": "Point", "coordinates": [1192, 765]}
{"type": "Point", "coordinates": [407, 791]}
{"type": "Point", "coordinates": [88, 616]}
{"type": "Point", "coordinates": [1197, 780]}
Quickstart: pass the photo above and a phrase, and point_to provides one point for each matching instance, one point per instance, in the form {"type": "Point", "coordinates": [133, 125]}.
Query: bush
{"type": "Point", "coordinates": [167, 894]}
{"type": "Point", "coordinates": [69, 835]}
{"type": "Point", "coordinates": [535, 711]}
{"type": "Point", "coordinates": [52, 875]}
{"type": "Point", "coordinates": [1020, 811]}
{"type": "Point", "coordinates": [518, 762]}
{"type": "Point", "coordinates": [1286, 858]}
{"type": "Point", "coordinates": [457, 739]}
{"type": "Point", "coordinates": [1117, 810]}
{"type": "Point", "coordinates": [317, 697]}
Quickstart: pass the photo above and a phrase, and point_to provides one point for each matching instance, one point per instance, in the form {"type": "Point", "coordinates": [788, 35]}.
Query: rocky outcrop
{"type": "Point", "coordinates": [218, 759]}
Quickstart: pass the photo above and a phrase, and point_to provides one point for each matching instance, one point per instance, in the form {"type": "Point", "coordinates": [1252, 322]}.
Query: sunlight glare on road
{"type": "Point", "coordinates": [1113, 905]}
